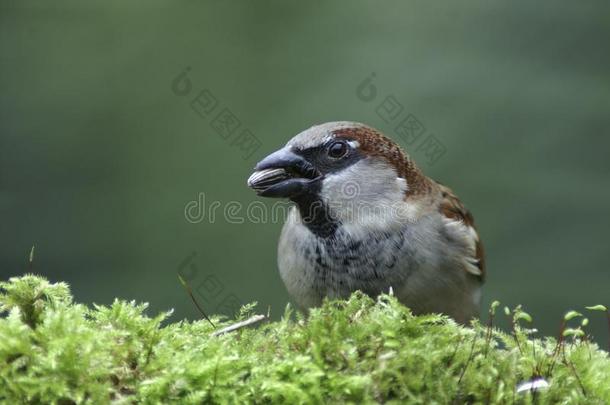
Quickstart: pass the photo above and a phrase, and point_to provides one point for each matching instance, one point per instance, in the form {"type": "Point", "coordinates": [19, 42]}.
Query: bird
{"type": "Point", "coordinates": [365, 218]}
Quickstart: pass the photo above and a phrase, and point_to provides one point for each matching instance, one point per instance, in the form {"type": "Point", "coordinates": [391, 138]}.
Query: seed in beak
{"type": "Point", "coordinates": [263, 179]}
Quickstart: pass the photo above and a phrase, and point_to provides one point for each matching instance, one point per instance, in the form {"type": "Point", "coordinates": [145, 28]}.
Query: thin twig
{"type": "Point", "coordinates": [557, 350]}
{"type": "Point", "coordinates": [31, 260]}
{"type": "Point", "coordinates": [608, 316]}
{"type": "Point", "coordinates": [489, 331]}
{"type": "Point", "coordinates": [537, 366]}
{"type": "Point", "coordinates": [459, 343]}
{"type": "Point", "coordinates": [190, 293]}
{"type": "Point", "coordinates": [470, 357]}
{"type": "Point", "coordinates": [513, 325]}
{"type": "Point", "coordinates": [250, 321]}
{"type": "Point", "coordinates": [570, 365]}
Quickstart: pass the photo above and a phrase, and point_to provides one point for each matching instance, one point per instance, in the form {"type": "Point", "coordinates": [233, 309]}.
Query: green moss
{"type": "Point", "coordinates": [358, 351]}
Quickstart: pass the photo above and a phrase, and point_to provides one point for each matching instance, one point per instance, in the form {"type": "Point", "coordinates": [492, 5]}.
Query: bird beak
{"type": "Point", "coordinates": [283, 174]}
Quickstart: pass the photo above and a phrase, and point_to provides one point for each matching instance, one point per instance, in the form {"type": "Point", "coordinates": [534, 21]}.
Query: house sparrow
{"type": "Point", "coordinates": [366, 218]}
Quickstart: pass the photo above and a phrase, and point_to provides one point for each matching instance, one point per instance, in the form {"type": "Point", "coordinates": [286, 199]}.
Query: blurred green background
{"type": "Point", "coordinates": [99, 157]}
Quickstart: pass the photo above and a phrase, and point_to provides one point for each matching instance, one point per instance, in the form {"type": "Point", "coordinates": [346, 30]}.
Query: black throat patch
{"type": "Point", "coordinates": [315, 213]}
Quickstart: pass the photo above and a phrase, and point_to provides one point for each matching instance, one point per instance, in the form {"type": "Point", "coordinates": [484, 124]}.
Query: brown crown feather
{"type": "Point", "coordinates": [374, 143]}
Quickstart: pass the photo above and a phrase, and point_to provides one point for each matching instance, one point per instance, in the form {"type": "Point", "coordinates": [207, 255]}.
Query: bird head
{"type": "Point", "coordinates": [348, 172]}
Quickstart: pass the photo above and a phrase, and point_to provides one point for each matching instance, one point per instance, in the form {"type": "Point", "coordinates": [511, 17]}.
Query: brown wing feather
{"type": "Point", "coordinates": [452, 208]}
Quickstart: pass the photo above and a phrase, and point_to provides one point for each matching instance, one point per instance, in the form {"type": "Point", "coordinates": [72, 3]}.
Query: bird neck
{"type": "Point", "coordinates": [316, 216]}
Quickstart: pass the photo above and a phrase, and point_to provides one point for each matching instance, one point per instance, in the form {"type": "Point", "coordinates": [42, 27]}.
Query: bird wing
{"type": "Point", "coordinates": [460, 222]}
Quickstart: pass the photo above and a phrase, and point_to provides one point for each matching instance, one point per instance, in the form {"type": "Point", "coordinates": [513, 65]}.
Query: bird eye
{"type": "Point", "coordinates": [337, 150]}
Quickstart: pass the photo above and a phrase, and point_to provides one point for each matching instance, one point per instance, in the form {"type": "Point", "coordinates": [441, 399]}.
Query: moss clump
{"type": "Point", "coordinates": [355, 351]}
